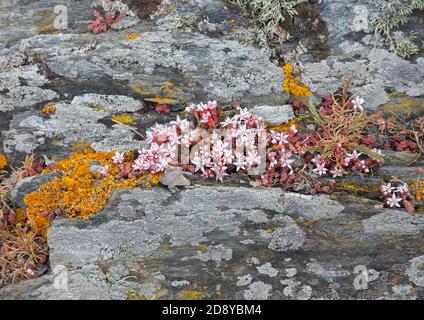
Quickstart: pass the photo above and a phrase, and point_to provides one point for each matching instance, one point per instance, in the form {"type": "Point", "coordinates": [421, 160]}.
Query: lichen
{"type": "Point", "coordinates": [124, 118]}
{"type": "Point", "coordinates": [49, 108]}
{"type": "Point", "coordinates": [294, 85]}
{"type": "Point", "coordinates": [191, 295]}
{"type": "Point", "coordinates": [269, 13]}
{"type": "Point", "coordinates": [397, 15]}
{"type": "Point", "coordinates": [351, 186]}
{"type": "Point", "coordinates": [3, 161]}
{"type": "Point", "coordinates": [132, 36]}
{"type": "Point", "coordinates": [78, 192]}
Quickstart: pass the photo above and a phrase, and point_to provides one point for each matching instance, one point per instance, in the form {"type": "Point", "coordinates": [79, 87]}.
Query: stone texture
{"type": "Point", "coordinates": [274, 114]}
{"type": "Point", "coordinates": [227, 242]}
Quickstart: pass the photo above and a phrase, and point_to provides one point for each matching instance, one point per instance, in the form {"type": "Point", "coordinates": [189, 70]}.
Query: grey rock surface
{"type": "Point", "coordinates": [201, 241]}
{"type": "Point", "coordinates": [274, 114]}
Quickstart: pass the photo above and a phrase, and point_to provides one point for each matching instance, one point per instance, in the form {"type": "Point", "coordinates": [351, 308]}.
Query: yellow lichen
{"type": "Point", "coordinates": [124, 118]}
{"type": "Point", "coordinates": [3, 161]}
{"type": "Point", "coordinates": [78, 192]}
{"type": "Point", "coordinates": [132, 36]}
{"type": "Point", "coordinates": [160, 100]}
{"type": "Point", "coordinates": [404, 104]}
{"type": "Point", "coordinates": [418, 187]}
{"type": "Point", "coordinates": [49, 108]}
{"type": "Point", "coordinates": [346, 185]}
{"type": "Point", "coordinates": [284, 127]}
{"type": "Point", "coordinates": [294, 85]}
{"type": "Point", "coordinates": [191, 295]}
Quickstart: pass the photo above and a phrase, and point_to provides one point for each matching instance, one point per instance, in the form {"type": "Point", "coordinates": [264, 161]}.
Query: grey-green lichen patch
{"type": "Point", "coordinates": [258, 291]}
{"type": "Point", "coordinates": [290, 272]}
{"type": "Point", "coordinates": [215, 253]}
{"type": "Point", "coordinates": [394, 222]}
{"type": "Point", "coordinates": [268, 270]}
{"type": "Point", "coordinates": [382, 69]}
{"type": "Point", "coordinates": [244, 280]}
{"type": "Point", "coordinates": [75, 122]}
{"type": "Point", "coordinates": [328, 273]}
{"type": "Point", "coordinates": [286, 238]}
{"type": "Point", "coordinates": [294, 290]}
{"type": "Point", "coordinates": [415, 271]}
{"type": "Point", "coordinates": [20, 84]}
{"type": "Point", "coordinates": [403, 292]}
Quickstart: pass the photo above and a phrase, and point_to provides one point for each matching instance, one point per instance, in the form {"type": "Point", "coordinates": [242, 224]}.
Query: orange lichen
{"type": "Point", "coordinates": [418, 187]}
{"type": "Point", "coordinates": [294, 85]}
{"type": "Point", "coordinates": [132, 36]}
{"type": "Point", "coordinates": [49, 108]}
{"type": "Point", "coordinates": [124, 118]}
{"type": "Point", "coordinates": [191, 295]}
{"type": "Point", "coordinates": [162, 100]}
{"type": "Point", "coordinates": [284, 127]}
{"type": "Point", "coordinates": [3, 161]}
{"type": "Point", "coordinates": [78, 192]}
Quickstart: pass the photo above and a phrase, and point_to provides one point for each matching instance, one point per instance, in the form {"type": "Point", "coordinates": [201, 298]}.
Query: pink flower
{"type": "Point", "coordinates": [208, 173]}
{"type": "Point", "coordinates": [320, 169]}
{"type": "Point", "coordinates": [336, 172]}
{"type": "Point", "coordinates": [240, 162]}
{"type": "Point", "coordinates": [393, 201]}
{"type": "Point", "coordinates": [279, 137]}
{"type": "Point", "coordinates": [386, 189]}
{"type": "Point", "coordinates": [118, 158]}
{"type": "Point", "coordinates": [285, 160]}
{"type": "Point", "coordinates": [358, 103]}
{"type": "Point", "coordinates": [353, 156]}
{"type": "Point", "coordinates": [220, 171]}
{"type": "Point", "coordinates": [403, 189]}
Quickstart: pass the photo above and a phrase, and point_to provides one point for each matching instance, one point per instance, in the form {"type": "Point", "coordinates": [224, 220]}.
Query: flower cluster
{"type": "Point", "coordinates": [396, 193]}
{"type": "Point", "coordinates": [216, 146]}
{"type": "Point", "coordinates": [103, 22]}
{"type": "Point", "coordinates": [205, 113]}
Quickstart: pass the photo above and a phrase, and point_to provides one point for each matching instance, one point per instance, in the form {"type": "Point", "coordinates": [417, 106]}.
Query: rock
{"type": "Point", "coordinates": [216, 253]}
{"type": "Point", "coordinates": [415, 272]}
{"type": "Point", "coordinates": [394, 222]}
{"type": "Point", "coordinates": [125, 23]}
{"type": "Point", "coordinates": [173, 177]}
{"type": "Point", "coordinates": [310, 207]}
{"type": "Point", "coordinates": [244, 280]}
{"type": "Point", "coordinates": [258, 291]}
{"type": "Point", "coordinates": [274, 114]}
{"type": "Point", "coordinates": [28, 185]}
{"type": "Point", "coordinates": [329, 273]}
{"type": "Point", "coordinates": [290, 272]}
{"type": "Point", "coordinates": [288, 238]}
{"type": "Point", "coordinates": [267, 269]}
